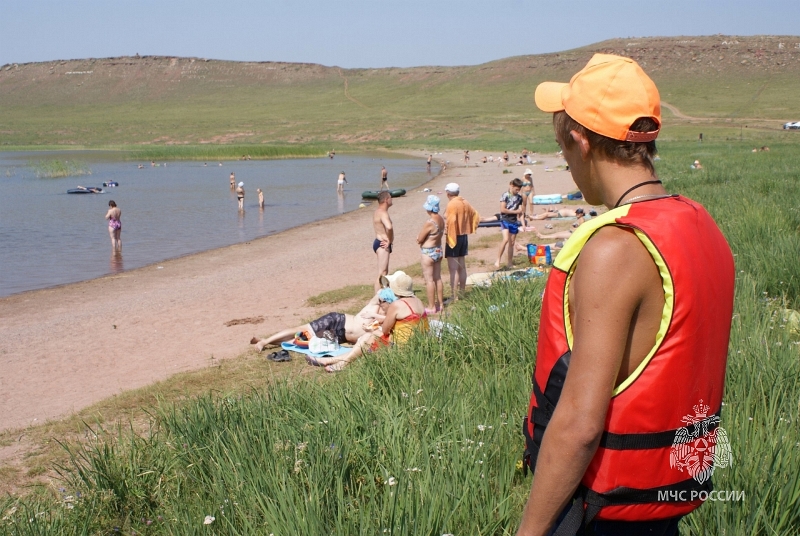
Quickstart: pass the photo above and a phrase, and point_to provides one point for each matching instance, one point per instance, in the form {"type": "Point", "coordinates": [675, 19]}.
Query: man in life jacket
{"type": "Point", "coordinates": [622, 430]}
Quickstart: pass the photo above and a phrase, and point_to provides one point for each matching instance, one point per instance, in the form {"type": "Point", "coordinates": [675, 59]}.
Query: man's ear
{"type": "Point", "coordinates": [582, 141]}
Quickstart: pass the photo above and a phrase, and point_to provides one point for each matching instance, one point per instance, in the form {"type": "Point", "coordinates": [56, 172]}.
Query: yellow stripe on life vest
{"type": "Point", "coordinates": [567, 257]}
{"type": "Point", "coordinates": [666, 313]}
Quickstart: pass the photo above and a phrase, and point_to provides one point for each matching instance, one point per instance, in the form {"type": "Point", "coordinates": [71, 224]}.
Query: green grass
{"type": "Point", "coordinates": [362, 293]}
{"type": "Point", "coordinates": [51, 169]}
{"type": "Point", "coordinates": [224, 152]}
{"type": "Point", "coordinates": [424, 439]}
{"type": "Point", "coordinates": [170, 102]}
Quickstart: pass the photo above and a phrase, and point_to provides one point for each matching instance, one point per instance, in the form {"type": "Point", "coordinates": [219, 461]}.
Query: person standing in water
{"type": "Point", "coordinates": [384, 235]}
{"type": "Point", "coordinates": [384, 177]}
{"type": "Point", "coordinates": [114, 217]}
{"type": "Point", "coordinates": [233, 180]}
{"type": "Point", "coordinates": [260, 198]}
{"type": "Point", "coordinates": [430, 157]}
{"type": "Point", "coordinates": [341, 182]}
{"type": "Point", "coordinates": [240, 195]}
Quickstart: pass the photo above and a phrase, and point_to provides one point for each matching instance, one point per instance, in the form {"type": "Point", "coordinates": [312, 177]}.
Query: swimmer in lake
{"type": "Point", "coordinates": [240, 195]}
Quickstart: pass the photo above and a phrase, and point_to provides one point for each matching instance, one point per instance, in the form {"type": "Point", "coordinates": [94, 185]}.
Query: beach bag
{"type": "Point", "coordinates": [301, 339]}
{"type": "Point", "coordinates": [319, 345]}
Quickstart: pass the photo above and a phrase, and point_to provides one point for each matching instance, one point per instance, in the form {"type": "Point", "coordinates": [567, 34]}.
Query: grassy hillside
{"type": "Point", "coordinates": [717, 84]}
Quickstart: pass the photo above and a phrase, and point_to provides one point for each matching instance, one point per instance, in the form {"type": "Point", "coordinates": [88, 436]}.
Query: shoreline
{"type": "Point", "coordinates": [67, 347]}
{"type": "Point", "coordinates": [162, 261]}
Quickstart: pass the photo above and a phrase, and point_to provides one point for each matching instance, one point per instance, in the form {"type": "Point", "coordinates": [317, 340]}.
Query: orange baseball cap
{"type": "Point", "coordinates": [607, 96]}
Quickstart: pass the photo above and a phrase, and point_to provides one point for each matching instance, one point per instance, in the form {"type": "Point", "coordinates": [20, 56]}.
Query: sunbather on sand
{"type": "Point", "coordinates": [403, 317]}
{"type": "Point", "coordinates": [346, 328]}
{"type": "Point", "coordinates": [562, 213]}
{"type": "Point", "coordinates": [554, 236]}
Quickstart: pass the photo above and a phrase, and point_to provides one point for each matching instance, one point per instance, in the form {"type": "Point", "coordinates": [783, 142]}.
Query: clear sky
{"type": "Point", "coordinates": [363, 33]}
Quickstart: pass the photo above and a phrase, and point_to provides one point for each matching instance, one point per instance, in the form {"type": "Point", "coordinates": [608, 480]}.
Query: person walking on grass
{"type": "Point", "coordinates": [430, 242]}
{"type": "Point", "coordinates": [384, 235]}
{"type": "Point", "coordinates": [114, 217]}
{"type": "Point", "coordinates": [460, 220]}
{"type": "Point", "coordinates": [635, 321]}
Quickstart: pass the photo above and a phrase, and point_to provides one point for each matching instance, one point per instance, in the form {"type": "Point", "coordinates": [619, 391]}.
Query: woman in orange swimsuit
{"type": "Point", "coordinates": [403, 317]}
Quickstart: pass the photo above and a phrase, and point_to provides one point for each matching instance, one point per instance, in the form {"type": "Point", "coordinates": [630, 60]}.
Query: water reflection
{"type": "Point", "coordinates": [115, 265]}
{"type": "Point", "coordinates": [340, 201]}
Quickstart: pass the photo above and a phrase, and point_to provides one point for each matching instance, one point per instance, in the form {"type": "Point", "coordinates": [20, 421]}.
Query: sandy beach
{"type": "Point", "coordinates": [66, 348]}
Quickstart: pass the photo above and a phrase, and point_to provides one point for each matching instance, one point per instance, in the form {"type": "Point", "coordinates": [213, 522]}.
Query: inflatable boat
{"type": "Point", "coordinates": [549, 199]}
{"type": "Point", "coordinates": [111, 184]}
{"type": "Point", "coordinates": [373, 194]}
{"type": "Point", "coordinates": [86, 190]}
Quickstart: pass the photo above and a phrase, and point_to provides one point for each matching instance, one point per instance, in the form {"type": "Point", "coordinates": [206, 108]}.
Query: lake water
{"type": "Point", "coordinates": [49, 238]}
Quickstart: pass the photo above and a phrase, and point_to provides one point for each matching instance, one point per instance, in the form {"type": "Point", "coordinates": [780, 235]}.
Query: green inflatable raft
{"type": "Point", "coordinates": [373, 194]}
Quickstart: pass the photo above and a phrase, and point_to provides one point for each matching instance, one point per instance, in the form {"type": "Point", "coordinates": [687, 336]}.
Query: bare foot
{"type": "Point", "coordinates": [260, 346]}
{"type": "Point", "coordinates": [497, 263]}
{"type": "Point", "coordinates": [336, 367]}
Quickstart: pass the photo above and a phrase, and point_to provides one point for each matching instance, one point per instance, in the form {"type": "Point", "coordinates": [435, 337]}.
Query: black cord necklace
{"type": "Point", "coordinates": [632, 188]}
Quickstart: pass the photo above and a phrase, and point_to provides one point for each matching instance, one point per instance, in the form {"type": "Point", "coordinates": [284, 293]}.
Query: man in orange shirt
{"type": "Point", "coordinates": [460, 219]}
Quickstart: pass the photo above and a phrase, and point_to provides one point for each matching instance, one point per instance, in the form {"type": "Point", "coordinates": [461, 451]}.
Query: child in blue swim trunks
{"type": "Point", "coordinates": [510, 210]}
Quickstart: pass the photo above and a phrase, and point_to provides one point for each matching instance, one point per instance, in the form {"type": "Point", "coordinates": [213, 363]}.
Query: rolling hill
{"type": "Point", "coordinates": [715, 83]}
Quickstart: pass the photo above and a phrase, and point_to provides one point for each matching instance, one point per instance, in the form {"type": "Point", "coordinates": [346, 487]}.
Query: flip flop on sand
{"type": "Point", "coordinates": [279, 357]}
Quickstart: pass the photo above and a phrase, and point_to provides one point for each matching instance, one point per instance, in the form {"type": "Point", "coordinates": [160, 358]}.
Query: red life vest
{"type": "Point", "coordinates": [673, 399]}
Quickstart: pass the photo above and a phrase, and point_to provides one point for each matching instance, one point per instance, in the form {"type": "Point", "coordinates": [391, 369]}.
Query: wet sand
{"type": "Point", "coordinates": [65, 348]}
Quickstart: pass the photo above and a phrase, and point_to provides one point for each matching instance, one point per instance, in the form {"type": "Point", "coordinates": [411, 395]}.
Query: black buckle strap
{"type": "Point", "coordinates": [588, 503]}
{"type": "Point", "coordinates": [655, 440]}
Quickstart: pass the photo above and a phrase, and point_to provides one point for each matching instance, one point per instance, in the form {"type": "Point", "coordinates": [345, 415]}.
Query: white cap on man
{"type": "Point", "coordinates": [452, 188]}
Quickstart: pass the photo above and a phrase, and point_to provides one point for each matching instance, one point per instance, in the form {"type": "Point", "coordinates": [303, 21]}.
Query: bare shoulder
{"type": "Point", "coordinates": [613, 246]}
{"type": "Point", "coordinates": [615, 261]}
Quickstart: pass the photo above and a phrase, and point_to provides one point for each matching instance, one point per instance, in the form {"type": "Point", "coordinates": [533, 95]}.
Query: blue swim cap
{"type": "Point", "coordinates": [387, 295]}
{"type": "Point", "coordinates": [432, 204]}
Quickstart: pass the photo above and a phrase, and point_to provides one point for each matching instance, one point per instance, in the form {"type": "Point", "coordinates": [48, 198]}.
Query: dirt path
{"type": "Point", "coordinates": [680, 115]}
{"type": "Point", "coordinates": [65, 348]}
